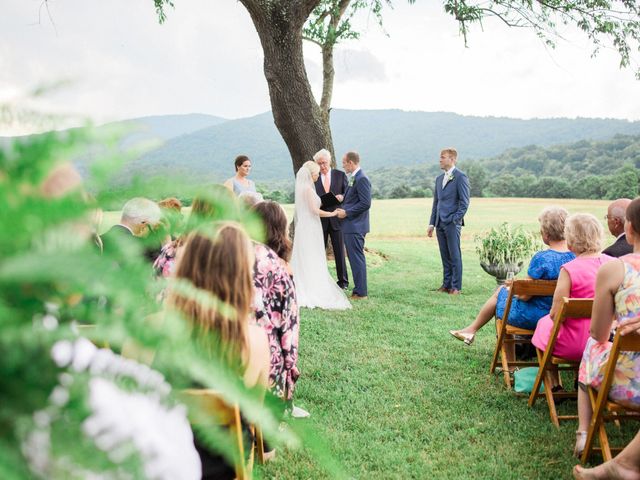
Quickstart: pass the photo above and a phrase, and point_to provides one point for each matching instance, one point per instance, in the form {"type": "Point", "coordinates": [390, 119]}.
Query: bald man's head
{"type": "Point", "coordinates": [616, 215]}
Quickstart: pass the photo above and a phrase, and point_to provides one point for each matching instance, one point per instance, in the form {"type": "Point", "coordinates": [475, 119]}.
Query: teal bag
{"type": "Point", "coordinates": [524, 380]}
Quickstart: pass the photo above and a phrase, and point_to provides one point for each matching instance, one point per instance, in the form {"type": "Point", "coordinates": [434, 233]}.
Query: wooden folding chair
{"type": "Point", "coordinates": [600, 401]}
{"type": "Point", "coordinates": [505, 332]}
{"type": "Point", "coordinates": [227, 416]}
{"type": "Point", "coordinates": [548, 363]}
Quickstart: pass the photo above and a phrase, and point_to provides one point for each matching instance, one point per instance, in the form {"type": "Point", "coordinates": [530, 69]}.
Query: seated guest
{"type": "Point", "coordinates": [276, 228]}
{"type": "Point", "coordinates": [577, 278]}
{"type": "Point", "coordinates": [615, 221]}
{"type": "Point", "coordinates": [240, 183]}
{"type": "Point", "coordinates": [221, 263]}
{"type": "Point", "coordinates": [172, 214]}
{"type": "Point", "coordinates": [204, 210]}
{"type": "Point", "coordinates": [276, 308]}
{"type": "Point", "coordinates": [544, 265]}
{"type": "Point", "coordinates": [617, 287]}
{"type": "Point", "coordinates": [250, 198]}
{"type": "Point", "coordinates": [138, 216]}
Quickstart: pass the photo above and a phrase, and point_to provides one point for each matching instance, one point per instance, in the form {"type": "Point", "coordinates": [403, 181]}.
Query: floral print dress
{"type": "Point", "coordinates": [276, 310]}
{"type": "Point", "coordinates": [625, 388]}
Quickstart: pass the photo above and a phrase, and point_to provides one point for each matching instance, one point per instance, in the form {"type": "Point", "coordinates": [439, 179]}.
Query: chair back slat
{"type": "Point", "coordinates": [534, 288]}
{"type": "Point", "coordinates": [578, 307]}
{"type": "Point", "coordinates": [629, 343]}
{"type": "Point", "coordinates": [211, 402]}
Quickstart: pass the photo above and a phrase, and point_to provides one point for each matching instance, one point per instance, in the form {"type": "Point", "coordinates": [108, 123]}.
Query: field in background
{"type": "Point", "coordinates": [409, 217]}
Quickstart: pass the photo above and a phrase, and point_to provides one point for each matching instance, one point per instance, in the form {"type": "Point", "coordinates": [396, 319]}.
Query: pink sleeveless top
{"type": "Point", "coordinates": [574, 332]}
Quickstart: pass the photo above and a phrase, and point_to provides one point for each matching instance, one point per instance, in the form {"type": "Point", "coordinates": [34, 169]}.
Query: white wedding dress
{"type": "Point", "coordinates": [315, 288]}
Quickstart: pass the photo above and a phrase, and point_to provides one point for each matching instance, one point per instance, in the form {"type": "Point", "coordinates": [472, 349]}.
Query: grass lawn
{"type": "Point", "coordinates": [393, 395]}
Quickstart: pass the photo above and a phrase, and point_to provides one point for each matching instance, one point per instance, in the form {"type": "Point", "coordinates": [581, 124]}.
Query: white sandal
{"type": "Point", "coordinates": [581, 441]}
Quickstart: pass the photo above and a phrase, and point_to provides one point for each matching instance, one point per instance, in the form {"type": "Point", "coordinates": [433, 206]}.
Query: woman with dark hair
{"type": "Point", "coordinates": [275, 304]}
{"type": "Point", "coordinates": [276, 229]}
{"type": "Point", "coordinates": [240, 183]}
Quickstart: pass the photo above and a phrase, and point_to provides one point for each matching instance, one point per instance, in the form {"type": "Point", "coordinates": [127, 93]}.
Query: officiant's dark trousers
{"type": "Point", "coordinates": [337, 241]}
{"type": "Point", "coordinates": [449, 243]}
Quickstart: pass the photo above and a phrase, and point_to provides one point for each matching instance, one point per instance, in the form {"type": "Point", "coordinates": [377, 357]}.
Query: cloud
{"type": "Point", "coordinates": [358, 66]}
{"type": "Point", "coordinates": [207, 58]}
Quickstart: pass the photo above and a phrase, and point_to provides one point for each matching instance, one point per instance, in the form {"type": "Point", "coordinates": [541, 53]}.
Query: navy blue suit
{"type": "Point", "coordinates": [447, 216]}
{"type": "Point", "coordinates": [355, 226]}
{"type": "Point", "coordinates": [332, 226]}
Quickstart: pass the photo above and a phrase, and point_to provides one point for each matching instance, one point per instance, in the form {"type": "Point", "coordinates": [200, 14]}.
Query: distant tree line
{"type": "Point", "coordinates": [586, 169]}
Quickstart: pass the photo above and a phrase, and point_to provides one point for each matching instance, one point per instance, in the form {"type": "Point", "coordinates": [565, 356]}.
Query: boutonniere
{"type": "Point", "coordinates": [352, 180]}
{"type": "Point", "coordinates": [450, 177]}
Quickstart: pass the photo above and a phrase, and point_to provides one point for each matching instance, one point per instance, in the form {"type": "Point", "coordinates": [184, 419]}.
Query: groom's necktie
{"type": "Point", "coordinates": [326, 183]}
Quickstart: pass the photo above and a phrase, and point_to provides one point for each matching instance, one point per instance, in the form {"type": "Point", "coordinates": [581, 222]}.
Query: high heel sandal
{"type": "Point", "coordinates": [467, 338]}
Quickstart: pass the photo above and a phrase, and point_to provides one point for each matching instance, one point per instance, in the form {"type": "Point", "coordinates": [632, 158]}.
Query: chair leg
{"type": "Point", "coordinates": [538, 381]}
{"type": "Point", "coordinates": [496, 350]}
{"type": "Point", "coordinates": [551, 403]}
{"type": "Point", "coordinates": [591, 433]}
{"type": "Point", "coordinates": [604, 442]}
{"type": "Point", "coordinates": [505, 367]}
{"type": "Point", "coordinates": [260, 445]}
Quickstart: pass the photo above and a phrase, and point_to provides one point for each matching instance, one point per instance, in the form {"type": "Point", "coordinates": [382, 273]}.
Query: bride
{"type": "Point", "coordinates": [314, 285]}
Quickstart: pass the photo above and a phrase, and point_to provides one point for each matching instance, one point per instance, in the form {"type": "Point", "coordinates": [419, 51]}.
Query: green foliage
{"type": "Point", "coordinates": [608, 23]}
{"type": "Point", "coordinates": [331, 20]}
{"type": "Point", "coordinates": [506, 245]}
{"type": "Point", "coordinates": [52, 278]}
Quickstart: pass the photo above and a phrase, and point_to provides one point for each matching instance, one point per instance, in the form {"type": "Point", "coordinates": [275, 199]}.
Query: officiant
{"type": "Point", "coordinates": [330, 187]}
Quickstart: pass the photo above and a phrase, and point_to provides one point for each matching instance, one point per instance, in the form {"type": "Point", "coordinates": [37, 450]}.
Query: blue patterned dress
{"type": "Point", "coordinates": [544, 265]}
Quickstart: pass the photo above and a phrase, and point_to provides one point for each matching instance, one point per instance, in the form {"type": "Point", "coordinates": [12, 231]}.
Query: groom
{"type": "Point", "coordinates": [355, 221]}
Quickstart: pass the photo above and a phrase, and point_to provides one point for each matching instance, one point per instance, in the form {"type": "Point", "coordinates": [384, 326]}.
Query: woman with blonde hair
{"type": "Point", "coordinates": [577, 279]}
{"type": "Point", "coordinates": [314, 285]}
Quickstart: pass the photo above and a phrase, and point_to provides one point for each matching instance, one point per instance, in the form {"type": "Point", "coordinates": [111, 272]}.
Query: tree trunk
{"type": "Point", "coordinates": [295, 111]}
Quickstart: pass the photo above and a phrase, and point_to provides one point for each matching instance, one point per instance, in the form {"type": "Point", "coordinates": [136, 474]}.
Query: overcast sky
{"type": "Point", "coordinates": [207, 58]}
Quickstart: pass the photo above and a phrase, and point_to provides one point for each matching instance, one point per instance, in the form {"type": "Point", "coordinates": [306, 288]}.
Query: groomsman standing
{"type": "Point", "coordinates": [450, 203]}
{"type": "Point", "coordinates": [334, 181]}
